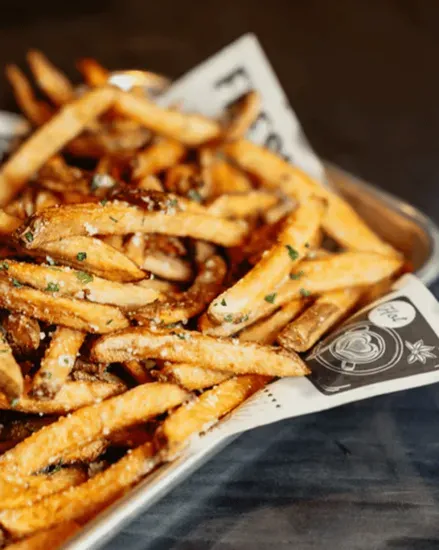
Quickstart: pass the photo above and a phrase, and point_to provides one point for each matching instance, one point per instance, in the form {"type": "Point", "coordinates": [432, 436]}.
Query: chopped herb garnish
{"type": "Point", "coordinates": [81, 256]}
{"type": "Point", "coordinates": [292, 252]}
{"type": "Point", "coordinates": [194, 195]}
{"type": "Point", "coordinates": [172, 203]}
{"type": "Point", "coordinates": [52, 287]}
{"type": "Point", "coordinates": [14, 402]}
{"type": "Point", "coordinates": [29, 237]}
{"type": "Point", "coordinates": [228, 318]}
{"type": "Point", "coordinates": [307, 245]}
{"type": "Point", "coordinates": [4, 266]}
{"type": "Point", "coordinates": [57, 467]}
{"type": "Point", "coordinates": [84, 277]}
{"type": "Point", "coordinates": [270, 298]}
{"type": "Point", "coordinates": [103, 202]}
{"type": "Point", "coordinates": [181, 335]}
{"type": "Point", "coordinates": [223, 302]}
{"type": "Point", "coordinates": [244, 318]}
{"type": "Point", "coordinates": [114, 219]}
{"type": "Point", "coordinates": [109, 322]}
{"type": "Point", "coordinates": [46, 374]}
{"type": "Point", "coordinates": [16, 283]}
{"type": "Point", "coordinates": [296, 276]}
{"type": "Point", "coordinates": [66, 360]}
{"type": "Point", "coordinates": [304, 292]}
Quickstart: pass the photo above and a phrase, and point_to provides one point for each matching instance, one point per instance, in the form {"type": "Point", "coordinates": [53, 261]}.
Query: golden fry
{"type": "Point", "coordinates": [94, 74]}
{"type": "Point", "coordinates": [8, 223]}
{"type": "Point", "coordinates": [135, 249]}
{"type": "Point", "coordinates": [191, 377]}
{"type": "Point", "coordinates": [227, 178]}
{"type": "Point", "coordinates": [11, 378]}
{"type": "Point", "coordinates": [50, 79]}
{"type": "Point", "coordinates": [51, 539]}
{"type": "Point", "coordinates": [241, 114]}
{"type": "Point", "coordinates": [243, 205]}
{"type": "Point", "coordinates": [157, 157]}
{"type": "Point", "coordinates": [167, 267]}
{"type": "Point", "coordinates": [137, 371]}
{"type": "Point", "coordinates": [22, 333]}
{"type": "Point", "coordinates": [195, 348]}
{"type": "Point", "coordinates": [84, 453]}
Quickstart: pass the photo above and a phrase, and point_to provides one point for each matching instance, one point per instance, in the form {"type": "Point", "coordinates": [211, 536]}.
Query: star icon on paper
{"type": "Point", "coordinates": [419, 352]}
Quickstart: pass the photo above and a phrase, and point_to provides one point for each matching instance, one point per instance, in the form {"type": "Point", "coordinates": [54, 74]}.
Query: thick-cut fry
{"type": "Point", "coordinates": [22, 333]}
{"type": "Point", "coordinates": [77, 314]}
{"type": "Point", "coordinates": [261, 282]}
{"type": "Point", "coordinates": [197, 416]}
{"type": "Point", "coordinates": [57, 363]}
{"type": "Point", "coordinates": [266, 330]}
{"type": "Point", "coordinates": [243, 205]}
{"type": "Point", "coordinates": [100, 258]}
{"type": "Point", "coordinates": [167, 267]}
{"type": "Point", "coordinates": [341, 221]}
{"type": "Point", "coordinates": [158, 157]}
{"type": "Point", "coordinates": [80, 284]}
{"type": "Point", "coordinates": [50, 138]}
{"type": "Point", "coordinates": [50, 79]}
{"type": "Point", "coordinates": [189, 129]}
{"type": "Point", "coordinates": [72, 396]}
{"type": "Point", "coordinates": [241, 114]}
{"type": "Point", "coordinates": [204, 289]}
{"type": "Point", "coordinates": [49, 539]}
{"type": "Point", "coordinates": [89, 423]}
{"type": "Point", "coordinates": [11, 378]}
{"type": "Point", "coordinates": [115, 218]}
{"type": "Point", "coordinates": [84, 453]}
{"type": "Point", "coordinates": [191, 377]}
{"type": "Point", "coordinates": [38, 112]}
{"type": "Point", "coordinates": [331, 307]}
{"type": "Point", "coordinates": [137, 371]}
{"type": "Point", "coordinates": [195, 348]}
{"type": "Point", "coordinates": [93, 72]}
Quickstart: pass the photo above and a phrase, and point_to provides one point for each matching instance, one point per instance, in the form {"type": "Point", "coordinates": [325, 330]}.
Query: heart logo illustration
{"type": "Point", "coordinates": [356, 347]}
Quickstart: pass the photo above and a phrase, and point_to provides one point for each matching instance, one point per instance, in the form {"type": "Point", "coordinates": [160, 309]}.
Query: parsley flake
{"type": "Point", "coordinates": [81, 256]}
{"type": "Point", "coordinates": [228, 318]}
{"type": "Point", "coordinates": [16, 283]}
{"type": "Point", "coordinates": [109, 322]}
{"type": "Point", "coordinates": [307, 245]}
{"type": "Point", "coordinates": [270, 298]}
{"type": "Point", "coordinates": [304, 292]}
{"type": "Point", "coordinates": [103, 202]}
{"type": "Point", "coordinates": [296, 276]}
{"type": "Point", "coordinates": [113, 219]}
{"type": "Point", "coordinates": [223, 302]}
{"type": "Point", "coordinates": [46, 374]}
{"type": "Point", "coordinates": [4, 266]}
{"type": "Point", "coordinates": [84, 277]}
{"type": "Point", "coordinates": [29, 237]}
{"type": "Point", "coordinates": [52, 287]}
{"type": "Point", "coordinates": [292, 252]}
{"type": "Point", "coordinates": [14, 402]}
{"type": "Point", "coordinates": [181, 335]}
{"type": "Point", "coordinates": [194, 195]}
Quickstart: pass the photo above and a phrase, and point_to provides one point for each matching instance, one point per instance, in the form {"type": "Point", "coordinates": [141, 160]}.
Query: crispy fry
{"type": "Point", "coordinates": [115, 218]}
{"type": "Point", "coordinates": [51, 539]}
{"type": "Point", "coordinates": [168, 267]}
{"type": "Point", "coordinates": [84, 453]}
{"type": "Point", "coordinates": [191, 377]}
{"type": "Point", "coordinates": [22, 333]}
{"type": "Point", "coordinates": [150, 183]}
{"type": "Point", "coordinates": [266, 330]}
{"type": "Point", "coordinates": [50, 138]}
{"type": "Point", "coordinates": [157, 157]}
{"type": "Point", "coordinates": [204, 289]}
{"type": "Point", "coordinates": [261, 282]}
{"type": "Point", "coordinates": [242, 206]}
{"type": "Point", "coordinates": [197, 416]}
{"type": "Point", "coordinates": [100, 258]}
{"type": "Point", "coordinates": [57, 363]}
{"type": "Point", "coordinates": [331, 307]}
{"type": "Point", "coordinates": [183, 179]}
{"type": "Point", "coordinates": [11, 378]}
{"type": "Point", "coordinates": [137, 371]}
{"type": "Point", "coordinates": [50, 79]}
{"type": "Point", "coordinates": [87, 424]}
{"type": "Point", "coordinates": [72, 396]}
{"type": "Point", "coordinates": [241, 114]}
{"type": "Point", "coordinates": [279, 211]}
{"type": "Point", "coordinates": [139, 82]}
{"type": "Point", "coordinates": [135, 249]}
{"type": "Point", "coordinates": [8, 223]}
{"type": "Point", "coordinates": [195, 348]}
{"type": "Point", "coordinates": [188, 129]}
{"type": "Point", "coordinates": [341, 221]}
{"type": "Point", "coordinates": [23, 426]}
{"type": "Point", "coordinates": [38, 112]}
{"type": "Point", "coordinates": [227, 178]}
{"type": "Point", "coordinates": [94, 73]}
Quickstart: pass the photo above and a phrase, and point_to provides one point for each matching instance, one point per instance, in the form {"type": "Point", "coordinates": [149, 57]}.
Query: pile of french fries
{"type": "Point", "coordinates": [156, 270]}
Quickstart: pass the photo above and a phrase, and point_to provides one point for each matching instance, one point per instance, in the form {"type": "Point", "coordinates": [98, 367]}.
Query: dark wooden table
{"type": "Point", "coordinates": [363, 78]}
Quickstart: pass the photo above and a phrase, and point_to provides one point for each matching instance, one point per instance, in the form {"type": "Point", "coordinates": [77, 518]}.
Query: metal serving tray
{"type": "Point", "coordinates": [397, 222]}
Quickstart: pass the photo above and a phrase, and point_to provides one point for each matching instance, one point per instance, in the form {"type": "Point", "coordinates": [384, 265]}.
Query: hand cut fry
{"type": "Point", "coordinates": [196, 416]}
{"type": "Point", "coordinates": [261, 282]}
{"type": "Point", "coordinates": [84, 453]}
{"type": "Point", "coordinates": [266, 330]}
{"type": "Point", "coordinates": [50, 138]}
{"type": "Point", "coordinates": [115, 218]}
{"type": "Point", "coordinates": [204, 289]}
{"type": "Point", "coordinates": [194, 348]}
{"type": "Point", "coordinates": [188, 129]}
{"type": "Point", "coordinates": [11, 378]}
{"type": "Point", "coordinates": [100, 259]}
{"type": "Point", "coordinates": [191, 377]}
{"type": "Point", "coordinates": [137, 370]}
{"type": "Point", "coordinates": [36, 111]}
{"type": "Point", "coordinates": [150, 183]}
{"type": "Point", "coordinates": [157, 157]}
{"type": "Point", "coordinates": [94, 73]}
{"type": "Point", "coordinates": [331, 307]}
{"type": "Point", "coordinates": [167, 267]}
{"type": "Point", "coordinates": [50, 79]}
{"type": "Point", "coordinates": [227, 178]}
{"type": "Point", "coordinates": [22, 333]}
{"type": "Point", "coordinates": [89, 423]}
{"type": "Point", "coordinates": [72, 396]}
{"type": "Point", "coordinates": [243, 205]}
{"type": "Point", "coordinates": [139, 82]}
{"type": "Point", "coordinates": [134, 248]}
{"type": "Point", "coordinates": [8, 223]}
{"type": "Point", "coordinates": [57, 363]}
{"type": "Point", "coordinates": [241, 114]}
{"type": "Point", "coordinates": [341, 222]}
{"type": "Point", "coordinates": [51, 539]}
{"type": "Point", "coordinates": [85, 500]}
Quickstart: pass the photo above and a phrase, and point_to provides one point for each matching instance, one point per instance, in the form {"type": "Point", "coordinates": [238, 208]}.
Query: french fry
{"type": "Point", "coordinates": [116, 218]}
{"type": "Point", "coordinates": [241, 114]}
{"type": "Point", "coordinates": [77, 314]}
{"type": "Point", "coordinates": [196, 416]}
{"type": "Point", "coordinates": [261, 282]}
{"type": "Point", "coordinates": [157, 157]}
{"type": "Point", "coordinates": [72, 396]}
{"type": "Point", "coordinates": [184, 179]}
{"type": "Point", "coordinates": [84, 453]}
{"type": "Point", "coordinates": [341, 221]}
{"type": "Point", "coordinates": [89, 423]}
{"type": "Point", "coordinates": [100, 259]}
{"type": "Point", "coordinates": [50, 138]}
{"type": "Point", "coordinates": [150, 183]}
{"type": "Point", "coordinates": [50, 79]}
{"type": "Point", "coordinates": [331, 307]}
{"type": "Point", "coordinates": [243, 205]}
{"type": "Point", "coordinates": [38, 112]}
{"type": "Point", "coordinates": [8, 223]}
{"type": "Point", "coordinates": [139, 82]}
{"type": "Point", "coordinates": [227, 178]}
{"type": "Point", "coordinates": [135, 249]}
{"type": "Point", "coordinates": [194, 348]}
{"type": "Point", "coordinates": [191, 377]}
{"type": "Point", "coordinates": [22, 333]}
{"type": "Point", "coordinates": [57, 363]}
{"type": "Point", "coordinates": [167, 267]}
{"type": "Point", "coordinates": [51, 539]}
{"type": "Point", "coordinates": [137, 371]}
{"type": "Point", "coordinates": [94, 73]}
{"type": "Point", "coordinates": [204, 289]}
{"type": "Point", "coordinates": [266, 330]}
{"type": "Point", "coordinates": [188, 129]}
{"type": "Point", "coordinates": [11, 378]}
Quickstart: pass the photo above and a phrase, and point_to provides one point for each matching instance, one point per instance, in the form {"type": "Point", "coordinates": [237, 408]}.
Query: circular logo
{"type": "Point", "coordinates": [395, 314]}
